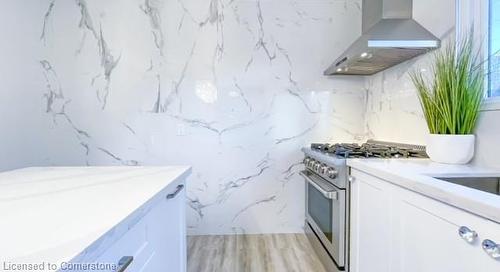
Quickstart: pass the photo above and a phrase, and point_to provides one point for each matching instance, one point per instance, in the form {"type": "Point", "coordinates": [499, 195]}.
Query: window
{"type": "Point", "coordinates": [494, 49]}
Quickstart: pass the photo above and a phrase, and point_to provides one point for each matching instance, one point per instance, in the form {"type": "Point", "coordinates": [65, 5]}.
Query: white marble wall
{"type": "Point", "coordinates": [232, 87]}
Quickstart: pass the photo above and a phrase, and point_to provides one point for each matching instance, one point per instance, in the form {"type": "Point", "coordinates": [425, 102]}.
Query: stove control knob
{"type": "Point", "coordinates": [306, 161]}
{"type": "Point", "coordinates": [316, 167]}
{"type": "Point", "coordinates": [332, 173]}
{"type": "Point", "coordinates": [310, 164]}
{"type": "Point", "coordinates": [324, 169]}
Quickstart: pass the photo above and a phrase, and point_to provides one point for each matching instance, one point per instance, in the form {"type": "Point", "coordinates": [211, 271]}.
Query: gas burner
{"type": "Point", "coordinates": [372, 149]}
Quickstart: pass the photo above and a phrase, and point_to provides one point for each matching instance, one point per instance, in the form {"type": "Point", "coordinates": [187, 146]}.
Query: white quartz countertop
{"type": "Point", "coordinates": [52, 214]}
{"type": "Point", "coordinates": [418, 175]}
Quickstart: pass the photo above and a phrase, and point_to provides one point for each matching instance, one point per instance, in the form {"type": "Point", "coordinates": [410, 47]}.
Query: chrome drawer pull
{"type": "Point", "coordinates": [467, 234]}
{"type": "Point", "coordinates": [123, 263]}
{"type": "Point", "coordinates": [177, 191]}
{"type": "Point", "coordinates": [492, 249]}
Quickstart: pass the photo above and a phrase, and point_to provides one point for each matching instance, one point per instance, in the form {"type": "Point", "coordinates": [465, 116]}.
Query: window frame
{"type": "Point", "coordinates": [489, 51]}
{"type": "Point", "coordinates": [475, 15]}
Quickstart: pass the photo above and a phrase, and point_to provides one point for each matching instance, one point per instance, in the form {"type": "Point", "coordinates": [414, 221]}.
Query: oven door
{"type": "Point", "coordinates": [325, 212]}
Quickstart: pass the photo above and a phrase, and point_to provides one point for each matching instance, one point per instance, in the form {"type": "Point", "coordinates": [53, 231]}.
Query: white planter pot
{"type": "Point", "coordinates": [451, 149]}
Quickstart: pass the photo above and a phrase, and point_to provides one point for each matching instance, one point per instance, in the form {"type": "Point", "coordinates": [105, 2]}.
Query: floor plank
{"type": "Point", "coordinates": [252, 253]}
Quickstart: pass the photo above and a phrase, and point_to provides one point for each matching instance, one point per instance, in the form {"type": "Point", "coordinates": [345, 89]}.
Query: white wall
{"type": "Point", "coordinates": [19, 81]}
{"type": "Point", "coordinates": [233, 88]}
{"type": "Point", "coordinates": [488, 139]}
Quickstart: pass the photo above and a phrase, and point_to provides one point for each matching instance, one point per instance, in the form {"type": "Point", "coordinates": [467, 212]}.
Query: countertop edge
{"type": "Point", "coordinates": [447, 193]}
{"type": "Point", "coordinates": [136, 214]}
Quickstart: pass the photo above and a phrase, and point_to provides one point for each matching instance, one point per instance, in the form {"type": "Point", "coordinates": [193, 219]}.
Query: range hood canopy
{"type": "Point", "coordinates": [389, 36]}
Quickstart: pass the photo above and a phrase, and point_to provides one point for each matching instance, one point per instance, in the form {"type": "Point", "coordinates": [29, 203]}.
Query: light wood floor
{"type": "Point", "coordinates": [252, 253]}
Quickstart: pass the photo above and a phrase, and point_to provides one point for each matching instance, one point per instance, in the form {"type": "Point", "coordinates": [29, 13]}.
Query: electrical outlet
{"type": "Point", "coordinates": [181, 130]}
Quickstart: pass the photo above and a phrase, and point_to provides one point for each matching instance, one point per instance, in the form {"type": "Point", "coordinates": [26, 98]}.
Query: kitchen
{"type": "Point", "coordinates": [213, 103]}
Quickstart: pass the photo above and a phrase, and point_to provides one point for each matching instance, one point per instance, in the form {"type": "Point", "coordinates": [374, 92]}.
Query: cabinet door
{"type": "Point", "coordinates": [167, 232]}
{"type": "Point", "coordinates": [133, 243]}
{"type": "Point", "coordinates": [157, 241]}
{"type": "Point", "coordinates": [427, 237]}
{"type": "Point", "coordinates": [370, 224]}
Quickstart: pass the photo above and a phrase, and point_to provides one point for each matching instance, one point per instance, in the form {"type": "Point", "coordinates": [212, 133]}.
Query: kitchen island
{"type": "Point", "coordinates": [111, 216]}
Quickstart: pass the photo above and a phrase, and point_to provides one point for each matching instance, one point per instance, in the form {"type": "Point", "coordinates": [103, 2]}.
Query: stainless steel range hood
{"type": "Point", "coordinates": [389, 36]}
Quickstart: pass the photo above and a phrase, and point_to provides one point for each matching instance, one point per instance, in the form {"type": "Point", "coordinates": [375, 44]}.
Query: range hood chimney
{"type": "Point", "coordinates": [389, 36]}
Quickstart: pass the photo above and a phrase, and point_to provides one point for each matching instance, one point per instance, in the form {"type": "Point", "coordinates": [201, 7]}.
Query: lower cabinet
{"type": "Point", "coordinates": [395, 229]}
{"type": "Point", "coordinates": [155, 242]}
{"type": "Point", "coordinates": [370, 235]}
{"type": "Point", "coordinates": [167, 225]}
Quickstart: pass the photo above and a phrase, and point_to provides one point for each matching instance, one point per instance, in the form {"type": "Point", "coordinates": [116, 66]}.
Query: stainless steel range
{"type": "Point", "coordinates": [327, 193]}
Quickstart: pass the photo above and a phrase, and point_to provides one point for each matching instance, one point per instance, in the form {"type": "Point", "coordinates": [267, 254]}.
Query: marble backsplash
{"type": "Point", "coordinates": [232, 87]}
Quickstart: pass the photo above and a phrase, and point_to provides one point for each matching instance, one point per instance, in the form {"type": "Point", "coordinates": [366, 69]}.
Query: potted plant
{"type": "Point", "coordinates": [451, 102]}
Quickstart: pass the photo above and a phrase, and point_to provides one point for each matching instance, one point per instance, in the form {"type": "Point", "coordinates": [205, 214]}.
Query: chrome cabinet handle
{"type": "Point", "coordinates": [124, 262]}
{"type": "Point", "coordinates": [492, 249]}
{"type": "Point", "coordinates": [177, 191]}
{"type": "Point", "coordinates": [467, 234]}
{"type": "Point", "coordinates": [351, 179]}
{"type": "Point", "coordinates": [327, 194]}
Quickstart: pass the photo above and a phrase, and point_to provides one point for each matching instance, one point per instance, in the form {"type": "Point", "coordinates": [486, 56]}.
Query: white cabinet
{"type": "Point", "coordinates": [369, 220]}
{"type": "Point", "coordinates": [134, 243]}
{"type": "Point", "coordinates": [428, 238]}
{"type": "Point", "coordinates": [395, 229]}
{"type": "Point", "coordinates": [167, 225]}
{"type": "Point", "coordinates": [157, 239]}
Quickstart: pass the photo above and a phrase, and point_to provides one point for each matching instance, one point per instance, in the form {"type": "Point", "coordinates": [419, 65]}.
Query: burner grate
{"type": "Point", "coordinates": [372, 149]}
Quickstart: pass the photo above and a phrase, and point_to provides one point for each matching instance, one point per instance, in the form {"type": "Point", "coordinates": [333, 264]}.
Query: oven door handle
{"type": "Point", "coordinates": [327, 194]}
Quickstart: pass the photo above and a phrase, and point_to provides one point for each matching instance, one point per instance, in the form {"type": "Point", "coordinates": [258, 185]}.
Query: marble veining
{"type": "Point", "coordinates": [46, 19]}
{"type": "Point", "coordinates": [108, 61]}
{"type": "Point", "coordinates": [232, 87]}
{"type": "Point", "coordinates": [152, 9]}
{"type": "Point", "coordinates": [54, 94]}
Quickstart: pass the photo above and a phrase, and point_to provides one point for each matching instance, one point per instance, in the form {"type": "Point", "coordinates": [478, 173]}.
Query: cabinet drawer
{"type": "Point", "coordinates": [133, 243]}
{"type": "Point", "coordinates": [486, 228]}
{"type": "Point", "coordinates": [154, 237]}
{"type": "Point", "coordinates": [428, 237]}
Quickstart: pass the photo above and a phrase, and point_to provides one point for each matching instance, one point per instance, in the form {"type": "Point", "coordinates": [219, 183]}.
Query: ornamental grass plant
{"type": "Point", "coordinates": [451, 100]}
